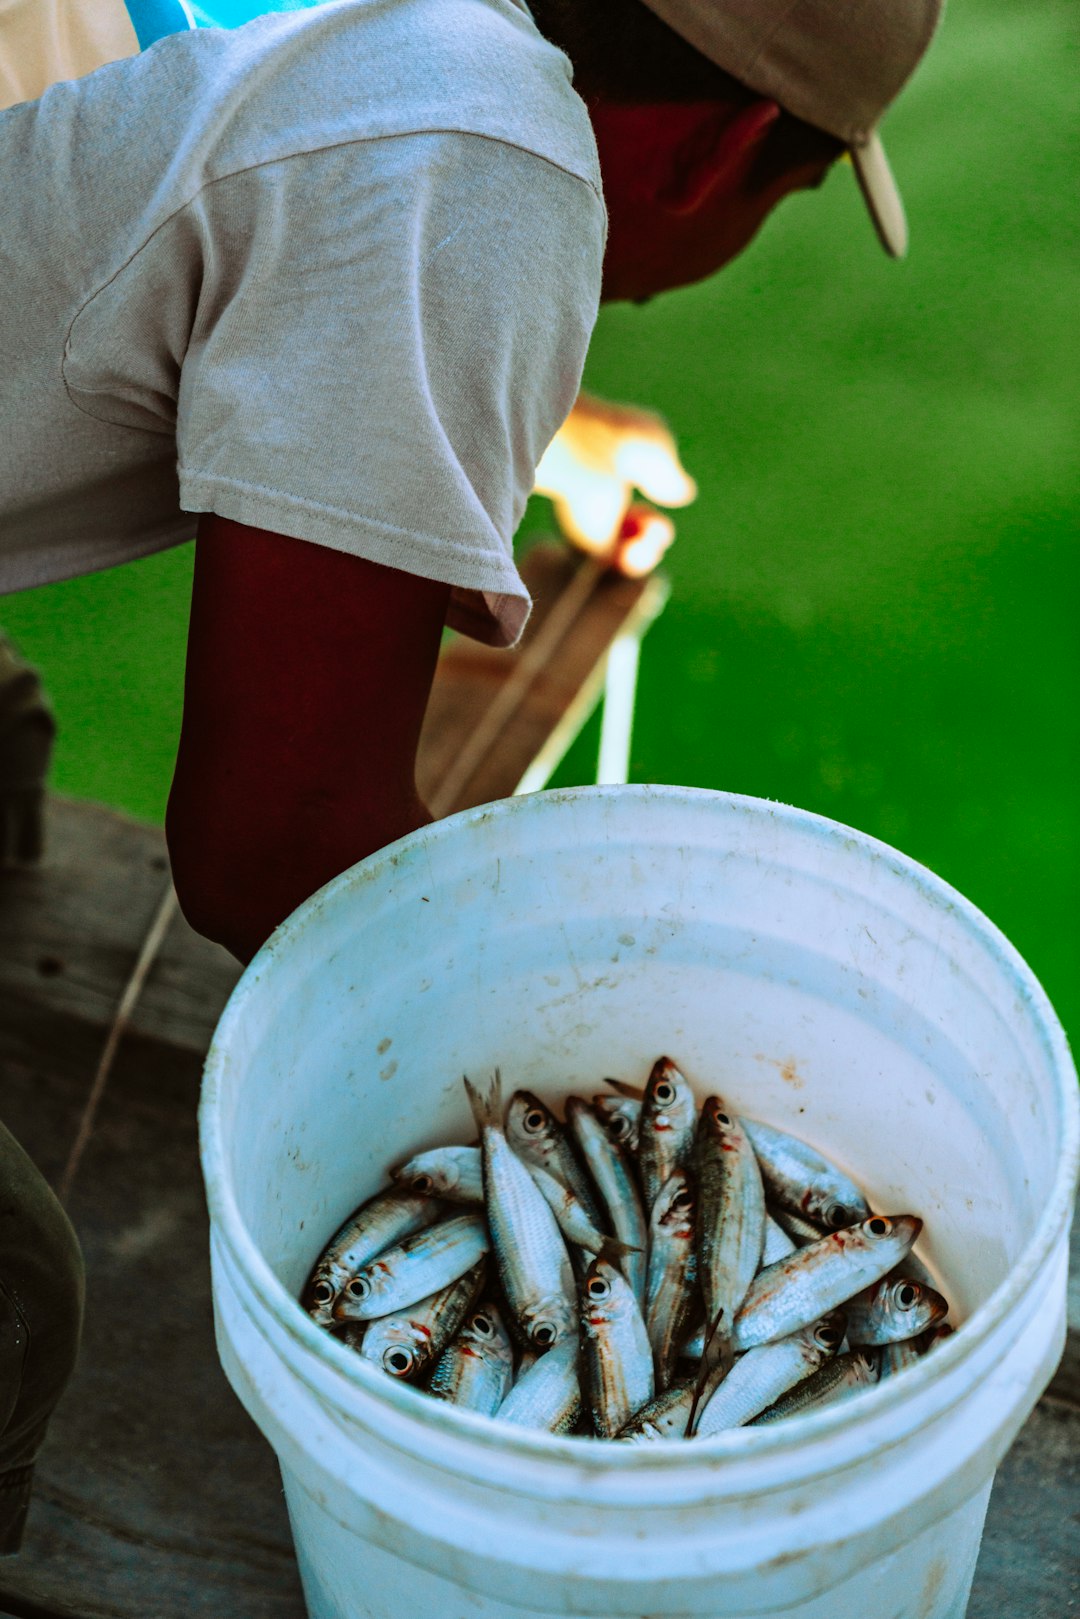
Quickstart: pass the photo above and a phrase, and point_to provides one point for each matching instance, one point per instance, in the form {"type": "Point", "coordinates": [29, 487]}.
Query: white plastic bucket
{"type": "Point", "coordinates": [815, 977]}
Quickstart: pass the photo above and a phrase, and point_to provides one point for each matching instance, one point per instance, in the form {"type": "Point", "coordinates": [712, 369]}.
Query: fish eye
{"type": "Point", "coordinates": [682, 1199]}
{"type": "Point", "coordinates": [598, 1288]}
{"type": "Point", "coordinates": [878, 1226]}
{"type": "Point", "coordinates": [423, 1183]}
{"type": "Point", "coordinates": [482, 1324]}
{"type": "Point", "coordinates": [720, 1116]}
{"type": "Point", "coordinates": [828, 1337]}
{"type": "Point", "coordinates": [907, 1295]}
{"type": "Point", "coordinates": [534, 1121]}
{"type": "Point", "coordinates": [835, 1215]}
{"type": "Point", "coordinates": [359, 1287]}
{"type": "Point", "coordinates": [398, 1361]}
{"type": "Point", "coordinates": [322, 1293]}
{"type": "Point", "coordinates": [544, 1334]}
{"type": "Point", "coordinates": [664, 1093]}
{"type": "Point", "coordinates": [619, 1126]}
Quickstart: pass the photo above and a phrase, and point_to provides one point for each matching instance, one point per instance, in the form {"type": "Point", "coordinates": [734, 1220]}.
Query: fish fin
{"type": "Point", "coordinates": [636, 1093]}
{"type": "Point", "coordinates": [613, 1250]}
{"type": "Point", "coordinates": [716, 1361]}
{"type": "Point", "coordinates": [486, 1105]}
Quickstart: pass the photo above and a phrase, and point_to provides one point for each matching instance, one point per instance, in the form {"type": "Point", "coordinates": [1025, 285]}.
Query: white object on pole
{"type": "Point", "coordinates": [617, 721]}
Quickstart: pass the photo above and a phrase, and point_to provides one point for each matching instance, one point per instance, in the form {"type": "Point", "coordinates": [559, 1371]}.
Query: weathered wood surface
{"type": "Point", "coordinates": [156, 1495]}
{"type": "Point", "coordinates": [157, 1498]}
{"type": "Point", "coordinates": [492, 713]}
{"type": "Point", "coordinates": [69, 934]}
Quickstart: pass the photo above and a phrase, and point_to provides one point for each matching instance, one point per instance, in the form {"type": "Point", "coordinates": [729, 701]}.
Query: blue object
{"type": "Point", "coordinates": [232, 13]}
{"type": "Point", "coordinates": [154, 19]}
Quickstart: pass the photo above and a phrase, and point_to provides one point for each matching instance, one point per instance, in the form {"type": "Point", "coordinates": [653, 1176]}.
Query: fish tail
{"type": "Point", "coordinates": [486, 1105]}
{"type": "Point", "coordinates": [716, 1362]}
{"type": "Point", "coordinates": [624, 1088]}
{"type": "Point", "coordinates": [613, 1250]}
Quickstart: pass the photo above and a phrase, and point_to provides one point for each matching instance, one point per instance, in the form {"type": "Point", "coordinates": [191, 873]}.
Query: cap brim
{"type": "Point", "coordinates": [881, 195]}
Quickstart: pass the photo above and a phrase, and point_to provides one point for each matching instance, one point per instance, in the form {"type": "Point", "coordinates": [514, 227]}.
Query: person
{"type": "Point", "coordinates": [206, 212]}
{"type": "Point", "coordinates": [317, 290]}
{"type": "Point", "coordinates": [42, 1287]}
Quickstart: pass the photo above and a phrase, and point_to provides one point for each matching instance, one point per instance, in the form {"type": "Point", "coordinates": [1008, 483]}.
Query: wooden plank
{"type": "Point", "coordinates": [72, 928]}
{"type": "Point", "coordinates": [155, 1494]}
{"type": "Point", "coordinates": [493, 712]}
{"type": "Point", "coordinates": [1028, 1566]}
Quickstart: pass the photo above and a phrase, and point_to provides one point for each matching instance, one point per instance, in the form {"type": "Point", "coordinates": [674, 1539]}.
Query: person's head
{"type": "Point", "coordinates": [693, 156]}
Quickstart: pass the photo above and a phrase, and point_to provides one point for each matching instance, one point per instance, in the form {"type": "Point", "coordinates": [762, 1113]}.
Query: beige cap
{"type": "Point", "coordinates": [837, 64]}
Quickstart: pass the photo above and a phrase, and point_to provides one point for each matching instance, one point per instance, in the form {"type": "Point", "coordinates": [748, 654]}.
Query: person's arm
{"type": "Point", "coordinates": [308, 672]}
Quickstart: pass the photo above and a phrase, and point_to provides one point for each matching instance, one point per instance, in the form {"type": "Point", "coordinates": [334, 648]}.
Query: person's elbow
{"type": "Point", "coordinates": [221, 881]}
{"type": "Point", "coordinates": [239, 872]}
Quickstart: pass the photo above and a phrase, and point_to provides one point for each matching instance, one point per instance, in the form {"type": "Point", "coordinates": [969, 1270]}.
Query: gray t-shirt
{"type": "Point", "coordinates": [331, 274]}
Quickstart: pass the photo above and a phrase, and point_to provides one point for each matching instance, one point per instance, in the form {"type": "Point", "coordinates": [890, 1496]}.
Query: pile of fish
{"type": "Point", "coordinates": [649, 1269]}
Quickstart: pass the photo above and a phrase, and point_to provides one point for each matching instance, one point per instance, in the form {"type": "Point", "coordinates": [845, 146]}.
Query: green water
{"type": "Point", "coordinates": [875, 597]}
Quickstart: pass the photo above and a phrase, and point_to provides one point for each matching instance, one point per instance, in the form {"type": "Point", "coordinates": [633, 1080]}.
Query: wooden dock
{"type": "Point", "coordinates": [156, 1497]}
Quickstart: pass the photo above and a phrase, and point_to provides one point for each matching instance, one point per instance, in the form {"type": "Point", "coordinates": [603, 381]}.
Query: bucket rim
{"type": "Point", "coordinates": [335, 1374]}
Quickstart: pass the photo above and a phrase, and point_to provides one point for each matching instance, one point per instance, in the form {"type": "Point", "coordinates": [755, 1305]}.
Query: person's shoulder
{"type": "Point", "coordinates": [482, 66]}
{"type": "Point", "coordinates": [292, 81]}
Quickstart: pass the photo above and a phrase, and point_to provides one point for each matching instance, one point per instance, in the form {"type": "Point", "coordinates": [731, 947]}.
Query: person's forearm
{"type": "Point", "coordinates": [237, 874]}
{"type": "Point", "coordinates": [307, 677]}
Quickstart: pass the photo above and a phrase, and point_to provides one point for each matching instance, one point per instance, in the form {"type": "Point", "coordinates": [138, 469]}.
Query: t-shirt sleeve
{"type": "Point", "coordinates": [385, 338]}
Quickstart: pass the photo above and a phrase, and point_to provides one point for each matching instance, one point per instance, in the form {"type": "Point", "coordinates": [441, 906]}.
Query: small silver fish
{"type": "Point", "coordinates": [891, 1310]}
{"type": "Point", "coordinates": [777, 1246]}
{"type": "Point", "coordinates": [537, 1136]}
{"type": "Point", "coordinates": [803, 1180]}
{"type": "Point", "coordinates": [665, 1416]}
{"type": "Point", "coordinates": [759, 1378]}
{"type": "Point", "coordinates": [476, 1370]}
{"type": "Point", "coordinates": [574, 1222]}
{"type": "Point", "coordinates": [612, 1170]}
{"type": "Point", "coordinates": [453, 1173]}
{"type": "Point", "coordinates": [730, 1209]}
{"type": "Point", "coordinates": [616, 1352]}
{"type": "Point", "coordinates": [548, 1395]}
{"type": "Point", "coordinates": [668, 1116]}
{"type": "Point", "coordinates": [620, 1116]}
{"type": "Point", "coordinates": [422, 1264]}
{"type": "Point", "coordinates": [534, 1266]}
{"type": "Point", "coordinates": [894, 1358]}
{"type": "Point", "coordinates": [671, 1294]}
{"type": "Point", "coordinates": [800, 1230]}
{"type": "Point", "coordinates": [815, 1279]}
{"type": "Point", "coordinates": [777, 1243]}
{"type": "Point", "coordinates": [385, 1219]}
{"type": "Point", "coordinates": [406, 1343]}
{"type": "Point", "coordinates": [837, 1380]}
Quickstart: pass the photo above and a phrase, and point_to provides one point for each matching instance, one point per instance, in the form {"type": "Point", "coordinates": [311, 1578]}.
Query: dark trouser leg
{"type": "Point", "coordinates": [27, 729]}
{"type": "Point", "coordinates": [41, 1269]}
{"type": "Point", "coordinates": [41, 1304]}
